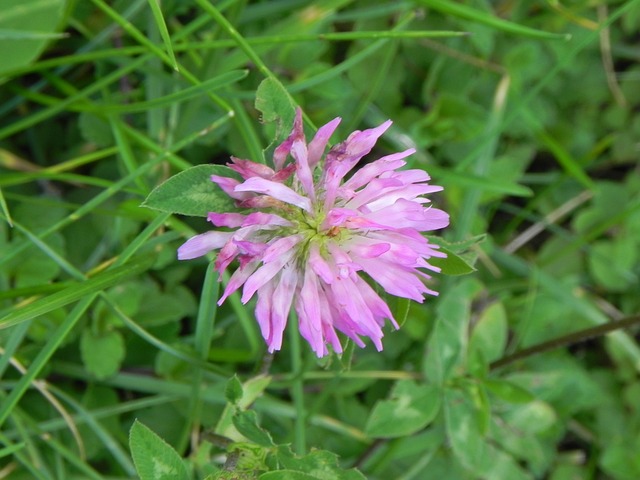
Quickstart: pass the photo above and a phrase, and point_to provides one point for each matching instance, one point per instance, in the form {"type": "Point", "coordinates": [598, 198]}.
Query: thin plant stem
{"type": "Point", "coordinates": [297, 390]}
{"type": "Point", "coordinates": [565, 340]}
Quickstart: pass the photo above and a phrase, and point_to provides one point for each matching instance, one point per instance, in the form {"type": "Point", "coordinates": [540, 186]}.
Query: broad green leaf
{"type": "Point", "coordinates": [247, 424]}
{"type": "Point", "coordinates": [463, 428]}
{"type": "Point", "coordinates": [75, 292]}
{"type": "Point", "coordinates": [508, 391]}
{"type": "Point", "coordinates": [489, 334]}
{"type": "Point", "coordinates": [193, 193]}
{"type": "Point", "coordinates": [448, 340]}
{"type": "Point", "coordinates": [533, 417]}
{"type": "Point", "coordinates": [288, 475]}
{"type": "Point", "coordinates": [154, 458]}
{"type": "Point", "coordinates": [28, 26]}
{"type": "Point", "coordinates": [102, 353]}
{"type": "Point", "coordinates": [410, 409]}
{"type": "Point", "coordinates": [251, 390]}
{"type": "Point", "coordinates": [275, 104]}
{"type": "Point", "coordinates": [318, 465]}
{"type": "Point", "coordinates": [612, 263]}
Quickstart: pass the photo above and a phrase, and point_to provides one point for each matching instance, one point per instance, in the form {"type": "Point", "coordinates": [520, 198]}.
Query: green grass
{"type": "Point", "coordinates": [524, 112]}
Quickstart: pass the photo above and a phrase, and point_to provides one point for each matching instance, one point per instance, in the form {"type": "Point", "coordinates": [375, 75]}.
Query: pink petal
{"type": "Point", "coordinates": [275, 190]}
{"type": "Point", "coordinates": [228, 185]}
{"type": "Point", "coordinates": [374, 169]}
{"type": "Point", "coordinates": [319, 265]}
{"type": "Point", "coordinates": [203, 244]}
{"type": "Point", "coordinates": [303, 172]}
{"type": "Point", "coordinates": [282, 151]}
{"type": "Point", "coordinates": [248, 169]}
{"type": "Point", "coordinates": [237, 279]}
{"type": "Point", "coordinates": [282, 298]}
{"type": "Point", "coordinates": [319, 142]}
{"type": "Point", "coordinates": [309, 312]}
{"type": "Point", "coordinates": [264, 274]}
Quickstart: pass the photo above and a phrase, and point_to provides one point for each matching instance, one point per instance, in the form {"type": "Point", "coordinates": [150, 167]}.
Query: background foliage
{"type": "Point", "coordinates": [115, 360]}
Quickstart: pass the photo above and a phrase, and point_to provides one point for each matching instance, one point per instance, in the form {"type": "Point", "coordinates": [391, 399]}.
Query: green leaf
{"type": "Point", "coordinates": [410, 409]}
{"type": "Point", "coordinates": [316, 465]}
{"type": "Point", "coordinates": [251, 390]}
{"type": "Point", "coordinates": [233, 390]}
{"type": "Point", "coordinates": [458, 261]}
{"type": "Point", "coordinates": [287, 475]}
{"type": "Point", "coordinates": [453, 264]}
{"type": "Point", "coordinates": [247, 424]}
{"type": "Point", "coordinates": [276, 105]}
{"type": "Point", "coordinates": [448, 340]}
{"type": "Point", "coordinates": [463, 428]}
{"type": "Point", "coordinates": [508, 391]}
{"type": "Point", "coordinates": [27, 27]}
{"type": "Point", "coordinates": [193, 193]}
{"type": "Point", "coordinates": [154, 458]}
{"type": "Point", "coordinates": [102, 353]}
{"type": "Point", "coordinates": [77, 291]}
{"type": "Point", "coordinates": [489, 335]}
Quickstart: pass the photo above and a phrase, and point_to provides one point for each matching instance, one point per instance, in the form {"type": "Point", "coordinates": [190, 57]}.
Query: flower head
{"type": "Point", "coordinates": [313, 237]}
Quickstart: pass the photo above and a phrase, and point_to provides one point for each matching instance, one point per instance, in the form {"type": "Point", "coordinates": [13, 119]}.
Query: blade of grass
{"type": "Point", "coordinates": [107, 440]}
{"type": "Point", "coordinates": [71, 294]}
{"type": "Point", "coordinates": [5, 209]}
{"type": "Point", "coordinates": [205, 321]}
{"type": "Point", "coordinates": [297, 387]}
{"type": "Point", "coordinates": [164, 33]}
{"type": "Point", "coordinates": [471, 202]}
{"type": "Point", "coordinates": [469, 13]}
{"type": "Point", "coordinates": [44, 355]}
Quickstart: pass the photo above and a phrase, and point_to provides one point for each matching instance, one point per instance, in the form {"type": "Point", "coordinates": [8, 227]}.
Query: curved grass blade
{"type": "Point", "coordinates": [75, 292]}
{"type": "Point", "coordinates": [468, 13]}
{"type": "Point", "coordinates": [164, 33]}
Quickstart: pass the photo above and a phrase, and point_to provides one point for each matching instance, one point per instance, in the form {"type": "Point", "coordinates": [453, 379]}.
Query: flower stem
{"type": "Point", "coordinates": [572, 338]}
{"type": "Point", "coordinates": [297, 391]}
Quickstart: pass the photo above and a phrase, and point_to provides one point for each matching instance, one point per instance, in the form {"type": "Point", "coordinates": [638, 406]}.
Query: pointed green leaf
{"type": "Point", "coordinates": [275, 104]}
{"type": "Point", "coordinates": [247, 424]}
{"type": "Point", "coordinates": [233, 390]}
{"type": "Point", "coordinates": [453, 264]}
{"type": "Point", "coordinates": [154, 458]}
{"type": "Point", "coordinates": [193, 193]}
